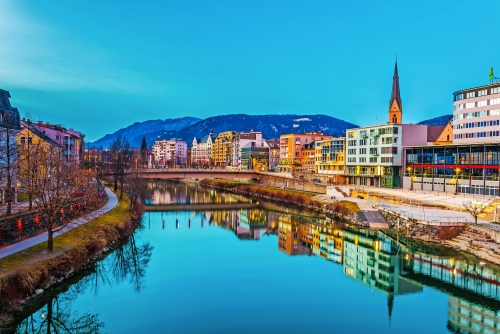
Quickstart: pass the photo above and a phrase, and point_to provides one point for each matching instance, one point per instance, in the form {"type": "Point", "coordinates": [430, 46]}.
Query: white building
{"type": "Point", "coordinates": [476, 115]}
{"type": "Point", "coordinates": [201, 150]}
{"type": "Point", "coordinates": [173, 151]}
{"type": "Point", "coordinates": [374, 153]}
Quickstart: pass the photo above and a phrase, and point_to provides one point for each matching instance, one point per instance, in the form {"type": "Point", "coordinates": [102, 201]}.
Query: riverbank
{"type": "Point", "coordinates": [340, 209]}
{"type": "Point", "coordinates": [27, 274]}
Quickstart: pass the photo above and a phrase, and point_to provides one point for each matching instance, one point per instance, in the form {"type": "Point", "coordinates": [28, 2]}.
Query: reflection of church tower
{"type": "Point", "coordinates": [395, 105]}
{"type": "Point", "coordinates": [390, 305]}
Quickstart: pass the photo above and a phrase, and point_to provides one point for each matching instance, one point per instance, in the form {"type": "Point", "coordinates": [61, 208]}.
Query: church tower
{"type": "Point", "coordinates": [395, 105]}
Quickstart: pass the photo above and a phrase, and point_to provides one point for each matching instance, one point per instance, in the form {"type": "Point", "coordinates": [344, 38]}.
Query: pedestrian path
{"type": "Point", "coordinates": [39, 238]}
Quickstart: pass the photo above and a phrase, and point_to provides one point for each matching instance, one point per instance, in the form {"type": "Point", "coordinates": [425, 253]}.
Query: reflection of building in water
{"type": "Point", "coordinates": [460, 273]}
{"type": "Point", "coordinates": [288, 236]}
{"type": "Point", "coordinates": [327, 243]}
{"type": "Point", "coordinates": [466, 317]}
{"type": "Point", "coordinates": [371, 258]}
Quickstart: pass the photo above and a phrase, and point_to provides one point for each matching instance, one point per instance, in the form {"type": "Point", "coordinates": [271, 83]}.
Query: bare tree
{"type": "Point", "coordinates": [474, 208]}
{"type": "Point", "coordinates": [9, 129]}
{"type": "Point", "coordinates": [28, 148]}
{"type": "Point", "coordinates": [120, 159]}
{"type": "Point", "coordinates": [60, 185]}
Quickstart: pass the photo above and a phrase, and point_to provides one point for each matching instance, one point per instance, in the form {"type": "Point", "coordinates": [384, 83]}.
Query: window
{"type": "Point", "coordinates": [482, 92]}
{"type": "Point", "coordinates": [373, 159]}
{"type": "Point", "coordinates": [351, 134]}
{"type": "Point", "coordinates": [495, 101]}
{"type": "Point", "coordinates": [351, 143]}
{"type": "Point", "coordinates": [362, 142]}
{"type": "Point", "coordinates": [23, 140]}
{"type": "Point", "coordinates": [495, 112]}
{"type": "Point", "coordinates": [470, 105]}
{"type": "Point", "coordinates": [495, 90]}
{"type": "Point", "coordinates": [362, 151]}
{"type": "Point", "coordinates": [351, 159]}
{"type": "Point", "coordinates": [482, 103]}
{"type": "Point", "coordinates": [470, 95]}
{"type": "Point", "coordinates": [373, 150]}
{"type": "Point", "coordinates": [362, 159]}
{"type": "Point", "coordinates": [459, 97]}
{"type": "Point", "coordinates": [351, 151]}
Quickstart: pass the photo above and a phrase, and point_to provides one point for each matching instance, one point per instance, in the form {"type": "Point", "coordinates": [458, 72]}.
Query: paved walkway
{"type": "Point", "coordinates": [39, 238]}
{"type": "Point", "coordinates": [430, 198]}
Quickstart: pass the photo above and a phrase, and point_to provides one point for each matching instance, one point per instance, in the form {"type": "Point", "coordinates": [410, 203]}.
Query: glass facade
{"type": "Point", "coordinates": [473, 163]}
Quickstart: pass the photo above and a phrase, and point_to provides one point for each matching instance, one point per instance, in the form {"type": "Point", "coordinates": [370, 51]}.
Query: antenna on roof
{"type": "Point", "coordinates": [492, 77]}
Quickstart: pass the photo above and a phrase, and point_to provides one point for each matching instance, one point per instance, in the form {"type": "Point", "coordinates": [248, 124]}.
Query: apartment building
{"type": "Point", "coordinates": [476, 114]}
{"type": "Point", "coordinates": [170, 152]}
{"type": "Point", "coordinates": [291, 146]}
{"type": "Point", "coordinates": [225, 149]}
{"type": "Point", "coordinates": [330, 158]}
{"type": "Point", "coordinates": [201, 150]}
{"type": "Point", "coordinates": [72, 141]}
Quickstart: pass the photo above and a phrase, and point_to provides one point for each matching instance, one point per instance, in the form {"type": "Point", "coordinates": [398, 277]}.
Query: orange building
{"type": "Point", "coordinates": [291, 147]}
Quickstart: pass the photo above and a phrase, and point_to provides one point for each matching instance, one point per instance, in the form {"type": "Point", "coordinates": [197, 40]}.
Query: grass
{"type": "Point", "coordinates": [72, 239]}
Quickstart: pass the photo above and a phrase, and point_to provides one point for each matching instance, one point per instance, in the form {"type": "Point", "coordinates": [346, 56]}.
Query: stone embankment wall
{"type": "Point", "coordinates": [292, 184]}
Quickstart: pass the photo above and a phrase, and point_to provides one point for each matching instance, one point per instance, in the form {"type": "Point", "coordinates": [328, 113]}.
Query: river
{"type": "Point", "coordinates": [229, 264]}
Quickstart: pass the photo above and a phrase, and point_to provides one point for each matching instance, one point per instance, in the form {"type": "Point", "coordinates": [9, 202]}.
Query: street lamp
{"type": "Point", "coordinates": [457, 170]}
{"type": "Point", "coordinates": [410, 171]}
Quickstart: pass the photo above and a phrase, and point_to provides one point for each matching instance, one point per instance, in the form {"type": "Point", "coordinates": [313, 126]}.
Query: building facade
{"type": "Point", "coordinates": [72, 141]}
{"type": "Point", "coordinates": [173, 152]}
{"type": "Point", "coordinates": [291, 146]}
{"type": "Point", "coordinates": [460, 168]}
{"type": "Point", "coordinates": [201, 150]}
{"type": "Point", "coordinates": [225, 149]}
{"type": "Point", "coordinates": [374, 154]}
{"type": "Point", "coordinates": [10, 126]}
{"type": "Point", "coordinates": [330, 159]}
{"type": "Point", "coordinates": [274, 153]}
{"type": "Point", "coordinates": [476, 114]}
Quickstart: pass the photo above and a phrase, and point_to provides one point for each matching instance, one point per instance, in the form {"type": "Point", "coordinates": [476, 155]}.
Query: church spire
{"type": "Point", "coordinates": [395, 104]}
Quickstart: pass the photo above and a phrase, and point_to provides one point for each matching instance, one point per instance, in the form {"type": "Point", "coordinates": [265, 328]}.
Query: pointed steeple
{"type": "Point", "coordinates": [390, 306]}
{"type": "Point", "coordinates": [395, 104]}
{"type": "Point", "coordinates": [395, 86]}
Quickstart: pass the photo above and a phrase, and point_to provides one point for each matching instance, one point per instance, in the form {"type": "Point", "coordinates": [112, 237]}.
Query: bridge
{"type": "Point", "coordinates": [194, 173]}
{"type": "Point", "coordinates": [200, 207]}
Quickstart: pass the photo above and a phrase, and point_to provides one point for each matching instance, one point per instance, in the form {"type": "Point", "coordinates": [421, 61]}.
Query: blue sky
{"type": "Point", "coordinates": [97, 66]}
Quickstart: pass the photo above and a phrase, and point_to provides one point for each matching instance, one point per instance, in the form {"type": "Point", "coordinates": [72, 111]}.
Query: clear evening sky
{"type": "Point", "coordinates": [97, 66]}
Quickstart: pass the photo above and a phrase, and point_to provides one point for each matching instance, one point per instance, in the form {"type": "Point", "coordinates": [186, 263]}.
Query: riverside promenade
{"type": "Point", "coordinates": [39, 238]}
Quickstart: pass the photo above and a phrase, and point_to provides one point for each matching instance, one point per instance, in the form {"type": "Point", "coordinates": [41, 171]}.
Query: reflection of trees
{"type": "Point", "coordinates": [56, 317]}
{"type": "Point", "coordinates": [128, 262]}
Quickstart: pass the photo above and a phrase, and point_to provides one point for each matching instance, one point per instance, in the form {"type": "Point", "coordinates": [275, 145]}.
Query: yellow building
{"type": "Point", "coordinates": [225, 149]}
{"type": "Point", "coordinates": [330, 158]}
{"type": "Point", "coordinates": [31, 143]}
{"type": "Point", "coordinates": [291, 146]}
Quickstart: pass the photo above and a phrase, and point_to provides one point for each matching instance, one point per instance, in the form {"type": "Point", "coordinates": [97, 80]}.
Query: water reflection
{"type": "Point", "coordinates": [56, 317]}
{"type": "Point", "coordinates": [379, 262]}
{"type": "Point", "coordinates": [127, 263]}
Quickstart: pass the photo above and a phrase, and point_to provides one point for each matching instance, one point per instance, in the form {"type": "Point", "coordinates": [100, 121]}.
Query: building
{"type": "Point", "coordinates": [31, 143]}
{"type": "Point", "coordinates": [439, 134]}
{"type": "Point", "coordinates": [291, 146]}
{"type": "Point", "coordinates": [201, 150]}
{"type": "Point", "coordinates": [72, 141]}
{"type": "Point", "coordinates": [476, 114]}
{"type": "Point", "coordinates": [274, 153]}
{"type": "Point", "coordinates": [225, 149]}
{"type": "Point", "coordinates": [171, 152]}
{"type": "Point", "coordinates": [330, 159]}
{"type": "Point", "coordinates": [308, 158]}
{"type": "Point", "coordinates": [374, 153]}
{"type": "Point", "coordinates": [460, 168]}
{"type": "Point", "coordinates": [9, 128]}
{"type": "Point", "coordinates": [253, 151]}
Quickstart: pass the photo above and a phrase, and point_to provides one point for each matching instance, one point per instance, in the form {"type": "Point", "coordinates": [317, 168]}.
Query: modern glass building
{"type": "Point", "coordinates": [460, 168]}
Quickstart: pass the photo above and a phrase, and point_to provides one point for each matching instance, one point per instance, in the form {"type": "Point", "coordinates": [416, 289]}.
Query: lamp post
{"type": "Point", "coordinates": [457, 170]}
{"type": "Point", "coordinates": [410, 171]}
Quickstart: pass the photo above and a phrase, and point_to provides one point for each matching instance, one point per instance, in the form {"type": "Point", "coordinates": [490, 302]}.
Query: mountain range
{"type": "Point", "coordinates": [186, 128]}
{"type": "Point", "coordinates": [440, 120]}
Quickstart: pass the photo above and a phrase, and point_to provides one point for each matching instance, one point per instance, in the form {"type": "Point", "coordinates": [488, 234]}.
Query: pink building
{"type": "Point", "coordinates": [71, 140]}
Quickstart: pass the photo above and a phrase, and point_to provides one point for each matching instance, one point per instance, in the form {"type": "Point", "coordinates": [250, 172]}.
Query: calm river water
{"type": "Point", "coordinates": [227, 264]}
